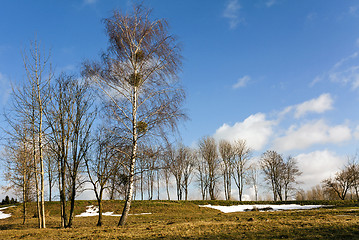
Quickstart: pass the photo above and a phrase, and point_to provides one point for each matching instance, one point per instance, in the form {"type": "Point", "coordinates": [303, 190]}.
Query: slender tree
{"type": "Point", "coordinates": [242, 154]}
{"type": "Point", "coordinates": [227, 154]}
{"type": "Point", "coordinates": [208, 151]}
{"type": "Point", "coordinates": [138, 74]}
{"type": "Point", "coordinates": [290, 174]}
{"type": "Point", "coordinates": [101, 167]}
{"type": "Point", "coordinates": [17, 159]}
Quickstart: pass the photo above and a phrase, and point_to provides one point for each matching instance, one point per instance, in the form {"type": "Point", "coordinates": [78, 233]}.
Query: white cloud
{"type": "Point", "coordinates": [345, 71]}
{"type": "Point", "coordinates": [311, 16]}
{"type": "Point", "coordinates": [88, 2]}
{"type": "Point", "coordinates": [242, 82]}
{"type": "Point", "coordinates": [317, 166]}
{"type": "Point", "coordinates": [255, 129]}
{"type": "Point", "coordinates": [317, 105]}
{"type": "Point", "coordinates": [270, 3]}
{"type": "Point", "coordinates": [314, 132]}
{"type": "Point", "coordinates": [232, 13]}
{"type": "Point", "coordinates": [5, 89]}
{"type": "Point", "coordinates": [353, 10]}
{"type": "Point", "coordinates": [356, 132]}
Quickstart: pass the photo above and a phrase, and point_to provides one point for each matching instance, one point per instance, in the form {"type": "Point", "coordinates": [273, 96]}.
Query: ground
{"type": "Point", "coordinates": [186, 220]}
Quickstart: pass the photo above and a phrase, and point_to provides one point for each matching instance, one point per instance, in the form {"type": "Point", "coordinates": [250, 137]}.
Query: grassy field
{"type": "Point", "coordinates": [186, 220]}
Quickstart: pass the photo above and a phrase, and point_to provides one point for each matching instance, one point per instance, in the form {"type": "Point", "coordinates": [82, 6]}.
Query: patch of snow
{"type": "Point", "coordinates": [93, 211]}
{"type": "Point", "coordinates": [243, 208]}
{"type": "Point", "coordinates": [4, 215]}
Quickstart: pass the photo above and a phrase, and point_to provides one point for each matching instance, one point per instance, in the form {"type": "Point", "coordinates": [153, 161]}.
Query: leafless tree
{"type": "Point", "coordinates": [166, 163]}
{"type": "Point", "coordinates": [17, 159]}
{"type": "Point", "coordinates": [177, 156]}
{"type": "Point", "coordinates": [242, 154]}
{"type": "Point", "coordinates": [101, 166]}
{"type": "Point", "coordinates": [202, 175]}
{"type": "Point", "coordinates": [70, 118]}
{"type": "Point", "coordinates": [253, 178]}
{"type": "Point", "coordinates": [28, 107]}
{"type": "Point", "coordinates": [208, 151]}
{"type": "Point", "coordinates": [138, 74]}
{"type": "Point", "coordinates": [181, 166]}
{"type": "Point", "coordinates": [188, 168]}
{"type": "Point", "coordinates": [227, 153]}
{"type": "Point", "coordinates": [341, 183]}
{"type": "Point", "coordinates": [50, 170]}
{"type": "Point", "coordinates": [353, 167]}
{"type": "Point", "coordinates": [273, 166]}
{"type": "Point", "coordinates": [290, 174]}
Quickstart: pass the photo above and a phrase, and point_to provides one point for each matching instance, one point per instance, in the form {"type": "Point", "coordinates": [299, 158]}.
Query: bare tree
{"type": "Point", "coordinates": [341, 183]}
{"type": "Point", "coordinates": [188, 167]}
{"type": "Point", "coordinates": [227, 154]}
{"type": "Point", "coordinates": [290, 174]}
{"type": "Point", "coordinates": [138, 74]}
{"type": "Point", "coordinates": [240, 164]}
{"type": "Point", "coordinates": [202, 175]}
{"type": "Point", "coordinates": [273, 166]}
{"type": "Point", "coordinates": [50, 170]}
{"type": "Point", "coordinates": [354, 169]}
{"type": "Point", "coordinates": [181, 166]}
{"type": "Point", "coordinates": [253, 178]}
{"type": "Point", "coordinates": [28, 107]}
{"type": "Point", "coordinates": [101, 167]}
{"type": "Point", "coordinates": [17, 161]}
{"type": "Point", "coordinates": [177, 156]}
{"type": "Point", "coordinates": [166, 163]}
{"type": "Point", "coordinates": [70, 118]}
{"type": "Point", "coordinates": [208, 151]}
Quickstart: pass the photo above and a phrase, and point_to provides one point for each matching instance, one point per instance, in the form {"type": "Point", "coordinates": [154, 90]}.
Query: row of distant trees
{"type": "Point", "coordinates": [343, 185]}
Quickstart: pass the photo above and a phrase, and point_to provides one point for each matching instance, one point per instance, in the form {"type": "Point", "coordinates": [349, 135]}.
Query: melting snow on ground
{"type": "Point", "coordinates": [93, 211]}
{"type": "Point", "coordinates": [243, 208]}
{"type": "Point", "coordinates": [4, 215]}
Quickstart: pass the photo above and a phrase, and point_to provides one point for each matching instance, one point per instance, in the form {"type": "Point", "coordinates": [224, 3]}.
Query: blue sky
{"type": "Point", "coordinates": [282, 74]}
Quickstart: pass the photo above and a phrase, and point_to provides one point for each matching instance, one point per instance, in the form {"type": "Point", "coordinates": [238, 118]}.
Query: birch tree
{"type": "Point", "coordinates": [138, 74]}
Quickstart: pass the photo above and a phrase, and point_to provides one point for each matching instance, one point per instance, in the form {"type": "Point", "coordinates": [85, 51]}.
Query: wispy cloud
{"type": "Point", "coordinates": [311, 16]}
{"type": "Point", "coordinates": [242, 82]}
{"type": "Point", "coordinates": [270, 3]}
{"type": "Point", "coordinates": [353, 10]}
{"type": "Point", "coordinates": [231, 12]}
{"type": "Point", "coordinates": [89, 2]}
{"type": "Point", "coordinates": [5, 89]}
{"type": "Point", "coordinates": [345, 71]}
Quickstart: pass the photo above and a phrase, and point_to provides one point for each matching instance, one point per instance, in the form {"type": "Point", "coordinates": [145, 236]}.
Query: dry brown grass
{"type": "Point", "coordinates": [178, 220]}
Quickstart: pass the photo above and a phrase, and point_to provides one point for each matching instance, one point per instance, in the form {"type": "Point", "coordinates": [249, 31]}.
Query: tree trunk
{"type": "Point", "coordinates": [128, 201]}
{"type": "Point", "coordinates": [99, 201]}
{"type": "Point", "coordinates": [24, 197]}
{"type": "Point", "coordinates": [72, 203]}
